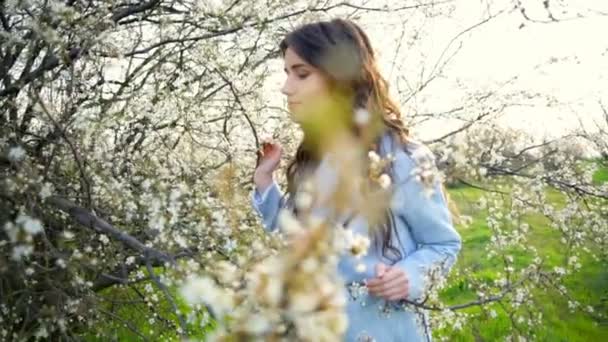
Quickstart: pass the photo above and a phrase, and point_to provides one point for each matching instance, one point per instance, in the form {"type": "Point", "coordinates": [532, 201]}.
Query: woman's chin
{"type": "Point", "coordinates": [292, 108]}
{"type": "Point", "coordinates": [295, 115]}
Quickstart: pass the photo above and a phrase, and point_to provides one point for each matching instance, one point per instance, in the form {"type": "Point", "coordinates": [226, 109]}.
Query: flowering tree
{"type": "Point", "coordinates": [128, 136]}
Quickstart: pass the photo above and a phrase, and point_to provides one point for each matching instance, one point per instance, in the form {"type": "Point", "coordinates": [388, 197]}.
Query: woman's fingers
{"type": "Point", "coordinates": [267, 148]}
{"type": "Point", "coordinates": [397, 294]}
{"type": "Point", "coordinates": [397, 286]}
{"type": "Point", "coordinates": [390, 274]}
{"type": "Point", "coordinates": [384, 285]}
{"type": "Point", "coordinates": [270, 149]}
{"type": "Point", "coordinates": [269, 157]}
{"type": "Point", "coordinates": [381, 268]}
{"type": "Point", "coordinates": [393, 284]}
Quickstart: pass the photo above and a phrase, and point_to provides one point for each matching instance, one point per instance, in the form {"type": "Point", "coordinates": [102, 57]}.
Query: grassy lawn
{"type": "Point", "coordinates": [589, 285]}
{"type": "Point", "coordinates": [162, 328]}
{"type": "Point", "coordinates": [601, 176]}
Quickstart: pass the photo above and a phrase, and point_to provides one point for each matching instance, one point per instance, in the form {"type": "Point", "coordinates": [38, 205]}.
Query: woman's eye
{"type": "Point", "coordinates": [302, 76]}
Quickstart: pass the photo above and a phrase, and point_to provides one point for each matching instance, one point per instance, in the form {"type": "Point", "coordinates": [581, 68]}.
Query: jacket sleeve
{"type": "Point", "coordinates": [428, 218]}
{"type": "Point", "coordinates": [268, 204]}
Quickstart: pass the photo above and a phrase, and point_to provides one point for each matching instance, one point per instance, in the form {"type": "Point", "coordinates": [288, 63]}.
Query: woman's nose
{"type": "Point", "coordinates": [287, 88]}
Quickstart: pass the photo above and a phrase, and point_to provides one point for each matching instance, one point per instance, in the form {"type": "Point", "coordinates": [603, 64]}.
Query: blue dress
{"type": "Point", "coordinates": [427, 239]}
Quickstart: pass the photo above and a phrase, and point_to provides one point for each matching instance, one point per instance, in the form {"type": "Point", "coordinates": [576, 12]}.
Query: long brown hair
{"type": "Point", "coordinates": [347, 43]}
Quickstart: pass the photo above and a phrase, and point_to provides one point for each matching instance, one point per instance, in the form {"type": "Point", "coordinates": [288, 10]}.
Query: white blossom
{"type": "Point", "coordinates": [41, 333]}
{"type": "Point", "coordinates": [130, 260]}
{"type": "Point", "coordinates": [203, 290]}
{"type": "Point", "coordinates": [60, 262]}
{"type": "Point", "coordinates": [385, 181]}
{"type": "Point", "coordinates": [459, 158]}
{"type": "Point", "coordinates": [257, 325]}
{"type": "Point", "coordinates": [361, 116]}
{"type": "Point", "coordinates": [288, 223]}
{"type": "Point", "coordinates": [309, 265]}
{"type": "Point", "coordinates": [104, 239]}
{"type": "Point", "coordinates": [30, 225]}
{"type": "Point", "coordinates": [11, 230]}
{"type": "Point", "coordinates": [303, 200]}
{"type": "Point", "coordinates": [374, 158]}
{"type": "Point", "coordinates": [493, 313]}
{"type": "Point", "coordinates": [46, 190]}
{"type": "Point", "coordinates": [16, 154]}
{"type": "Point", "coordinates": [356, 244]}
{"type": "Point", "coordinates": [21, 251]}
{"type": "Point", "coordinates": [560, 271]}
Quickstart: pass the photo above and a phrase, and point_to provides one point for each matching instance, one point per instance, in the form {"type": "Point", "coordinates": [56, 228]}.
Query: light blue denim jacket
{"type": "Point", "coordinates": [427, 238]}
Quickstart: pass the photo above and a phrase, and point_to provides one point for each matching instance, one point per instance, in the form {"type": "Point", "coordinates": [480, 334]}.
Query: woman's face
{"type": "Point", "coordinates": [305, 84]}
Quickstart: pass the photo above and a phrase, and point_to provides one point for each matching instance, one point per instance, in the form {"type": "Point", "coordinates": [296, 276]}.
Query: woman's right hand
{"type": "Point", "coordinates": [269, 158]}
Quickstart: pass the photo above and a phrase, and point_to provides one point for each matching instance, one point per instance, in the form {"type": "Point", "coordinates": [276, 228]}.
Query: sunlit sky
{"type": "Point", "coordinates": [567, 60]}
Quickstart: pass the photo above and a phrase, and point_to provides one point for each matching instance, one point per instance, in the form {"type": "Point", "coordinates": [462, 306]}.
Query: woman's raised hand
{"type": "Point", "coordinates": [269, 157]}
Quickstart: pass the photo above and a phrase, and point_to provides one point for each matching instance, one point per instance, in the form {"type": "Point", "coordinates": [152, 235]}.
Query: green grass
{"type": "Point", "coordinates": [164, 328]}
{"type": "Point", "coordinates": [601, 176]}
{"type": "Point", "coordinates": [588, 285]}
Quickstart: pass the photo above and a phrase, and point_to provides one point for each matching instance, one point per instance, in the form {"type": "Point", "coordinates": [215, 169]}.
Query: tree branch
{"type": "Point", "coordinates": [89, 220]}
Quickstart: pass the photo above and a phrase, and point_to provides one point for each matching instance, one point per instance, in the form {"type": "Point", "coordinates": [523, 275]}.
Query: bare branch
{"type": "Point", "coordinates": [458, 130]}
{"type": "Point", "coordinates": [89, 220]}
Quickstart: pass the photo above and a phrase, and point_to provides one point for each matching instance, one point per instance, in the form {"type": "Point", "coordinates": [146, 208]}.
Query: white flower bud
{"type": "Point", "coordinates": [385, 181]}
{"type": "Point", "coordinates": [361, 116]}
{"type": "Point", "coordinates": [30, 225]}
{"type": "Point", "coordinates": [46, 190]}
{"type": "Point", "coordinates": [303, 200]}
{"type": "Point", "coordinates": [16, 153]}
{"type": "Point", "coordinates": [374, 158]}
{"type": "Point", "coordinates": [288, 223]}
{"type": "Point", "coordinates": [104, 239]}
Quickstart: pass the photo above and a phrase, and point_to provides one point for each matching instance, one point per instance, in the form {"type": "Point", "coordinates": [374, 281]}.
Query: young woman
{"type": "Point", "coordinates": [417, 234]}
